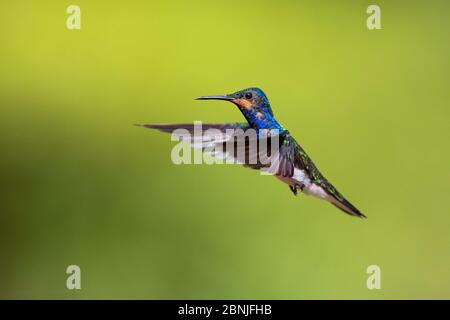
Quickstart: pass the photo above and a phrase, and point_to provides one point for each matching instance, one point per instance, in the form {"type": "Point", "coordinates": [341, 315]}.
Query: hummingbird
{"type": "Point", "coordinates": [293, 166]}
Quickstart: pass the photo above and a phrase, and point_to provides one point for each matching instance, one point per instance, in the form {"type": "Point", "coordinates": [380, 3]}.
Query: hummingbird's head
{"type": "Point", "coordinates": [251, 100]}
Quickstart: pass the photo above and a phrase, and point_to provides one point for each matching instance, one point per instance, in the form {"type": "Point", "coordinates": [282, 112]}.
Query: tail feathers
{"type": "Point", "coordinates": [348, 208]}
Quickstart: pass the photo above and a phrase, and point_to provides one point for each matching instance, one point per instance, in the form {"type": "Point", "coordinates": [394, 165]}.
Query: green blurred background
{"type": "Point", "coordinates": [81, 185]}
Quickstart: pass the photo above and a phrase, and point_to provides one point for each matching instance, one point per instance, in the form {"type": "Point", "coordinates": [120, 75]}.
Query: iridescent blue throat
{"type": "Point", "coordinates": [266, 121]}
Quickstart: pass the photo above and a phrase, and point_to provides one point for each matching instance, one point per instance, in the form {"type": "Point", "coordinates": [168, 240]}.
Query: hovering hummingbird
{"type": "Point", "coordinates": [292, 166]}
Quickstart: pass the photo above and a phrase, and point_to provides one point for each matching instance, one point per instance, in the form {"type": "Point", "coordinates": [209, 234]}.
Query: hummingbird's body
{"type": "Point", "coordinates": [291, 165]}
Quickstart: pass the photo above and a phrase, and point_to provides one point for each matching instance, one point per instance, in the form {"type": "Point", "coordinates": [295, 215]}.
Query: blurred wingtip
{"type": "Point", "coordinates": [151, 126]}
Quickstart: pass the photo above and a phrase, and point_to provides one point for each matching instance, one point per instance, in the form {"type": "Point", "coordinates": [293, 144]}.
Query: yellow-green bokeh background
{"type": "Point", "coordinates": [80, 185]}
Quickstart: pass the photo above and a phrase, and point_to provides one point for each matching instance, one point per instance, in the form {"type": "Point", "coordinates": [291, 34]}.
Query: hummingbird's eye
{"type": "Point", "coordinates": [248, 95]}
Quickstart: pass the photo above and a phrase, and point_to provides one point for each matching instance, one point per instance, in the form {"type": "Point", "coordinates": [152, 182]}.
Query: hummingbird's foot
{"type": "Point", "coordinates": [293, 189]}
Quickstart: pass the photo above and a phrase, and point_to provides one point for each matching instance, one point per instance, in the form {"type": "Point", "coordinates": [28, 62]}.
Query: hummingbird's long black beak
{"type": "Point", "coordinates": [225, 97]}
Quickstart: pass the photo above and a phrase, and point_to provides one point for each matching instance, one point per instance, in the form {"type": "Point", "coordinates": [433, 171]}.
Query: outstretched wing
{"type": "Point", "coordinates": [241, 143]}
{"type": "Point", "coordinates": [234, 142]}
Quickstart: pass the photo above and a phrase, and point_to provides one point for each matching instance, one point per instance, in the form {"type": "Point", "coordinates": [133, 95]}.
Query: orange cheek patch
{"type": "Point", "coordinates": [243, 103]}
